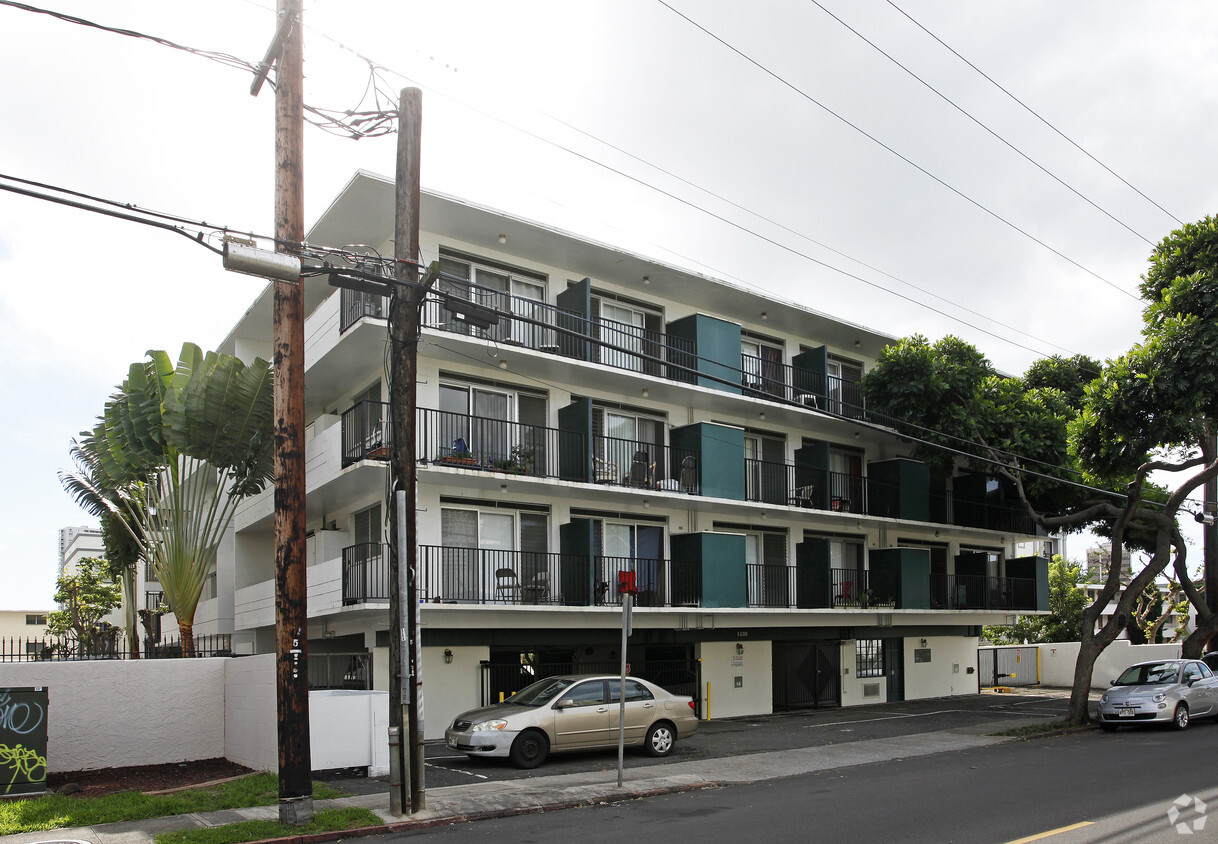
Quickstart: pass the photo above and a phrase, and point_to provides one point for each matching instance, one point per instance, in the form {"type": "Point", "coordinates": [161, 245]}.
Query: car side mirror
{"type": "Point", "coordinates": [1112, 682]}
{"type": "Point", "coordinates": [563, 704]}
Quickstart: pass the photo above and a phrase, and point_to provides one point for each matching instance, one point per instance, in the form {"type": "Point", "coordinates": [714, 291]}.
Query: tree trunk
{"type": "Point", "coordinates": [129, 613]}
{"type": "Point", "coordinates": [187, 631]}
{"type": "Point", "coordinates": [1194, 646]}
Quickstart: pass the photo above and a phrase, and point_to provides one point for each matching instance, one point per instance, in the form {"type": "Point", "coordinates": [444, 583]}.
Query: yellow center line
{"type": "Point", "coordinates": [1051, 832]}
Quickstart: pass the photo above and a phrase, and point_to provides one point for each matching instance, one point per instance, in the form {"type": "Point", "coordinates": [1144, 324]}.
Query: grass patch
{"type": "Point", "coordinates": [52, 811]}
{"type": "Point", "coordinates": [328, 821]}
{"type": "Point", "coordinates": [1035, 729]}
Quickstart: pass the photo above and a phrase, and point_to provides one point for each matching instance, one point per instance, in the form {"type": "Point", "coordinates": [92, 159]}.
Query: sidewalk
{"type": "Point", "coordinates": [458, 804]}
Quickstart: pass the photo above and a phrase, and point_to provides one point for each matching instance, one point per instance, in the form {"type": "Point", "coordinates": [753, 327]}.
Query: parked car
{"type": "Point", "coordinates": [1162, 691]}
{"type": "Point", "coordinates": [578, 712]}
{"type": "Point", "coordinates": [1211, 659]}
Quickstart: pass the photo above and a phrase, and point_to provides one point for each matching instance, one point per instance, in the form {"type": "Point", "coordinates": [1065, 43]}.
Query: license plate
{"type": "Point", "coordinates": [1127, 713]}
{"type": "Point", "coordinates": [452, 742]}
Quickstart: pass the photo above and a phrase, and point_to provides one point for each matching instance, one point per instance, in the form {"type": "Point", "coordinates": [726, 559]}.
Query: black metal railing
{"type": "Point", "coordinates": [847, 492]}
{"type": "Point", "coordinates": [771, 586]}
{"type": "Point", "coordinates": [109, 644]}
{"type": "Point", "coordinates": [762, 377]}
{"type": "Point", "coordinates": [365, 573]}
{"type": "Point", "coordinates": [340, 671]}
{"type": "Point", "coordinates": [153, 600]}
{"type": "Point", "coordinates": [768, 482]}
{"type": "Point", "coordinates": [643, 465]}
{"type": "Point", "coordinates": [450, 575]}
{"type": "Point", "coordinates": [472, 442]}
{"type": "Point", "coordinates": [660, 583]}
{"type": "Point", "coordinates": [979, 592]}
{"type": "Point", "coordinates": [354, 305]}
{"type": "Point", "coordinates": [366, 432]}
{"type": "Point", "coordinates": [853, 588]}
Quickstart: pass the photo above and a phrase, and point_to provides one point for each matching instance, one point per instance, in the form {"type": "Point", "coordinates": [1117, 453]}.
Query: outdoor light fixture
{"type": "Point", "coordinates": [764, 315]}
{"type": "Point", "coordinates": [503, 489]}
{"type": "Point", "coordinates": [503, 240]}
{"type": "Point", "coordinates": [448, 655]}
{"type": "Point", "coordinates": [644, 392]}
{"type": "Point", "coordinates": [739, 649]}
{"type": "Point", "coordinates": [923, 643]}
{"type": "Point", "coordinates": [762, 414]}
{"type": "Point", "coordinates": [646, 280]}
{"type": "Point", "coordinates": [502, 364]}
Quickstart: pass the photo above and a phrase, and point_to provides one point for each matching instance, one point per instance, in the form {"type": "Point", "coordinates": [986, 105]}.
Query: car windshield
{"type": "Point", "coordinates": [1151, 674]}
{"type": "Point", "coordinates": [540, 693]}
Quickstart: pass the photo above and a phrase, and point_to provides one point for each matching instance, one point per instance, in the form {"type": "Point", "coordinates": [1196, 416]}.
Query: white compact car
{"type": "Point", "coordinates": [1160, 692]}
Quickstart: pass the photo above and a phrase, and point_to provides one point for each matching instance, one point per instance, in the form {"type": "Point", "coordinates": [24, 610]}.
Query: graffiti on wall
{"type": "Point", "coordinates": [23, 740]}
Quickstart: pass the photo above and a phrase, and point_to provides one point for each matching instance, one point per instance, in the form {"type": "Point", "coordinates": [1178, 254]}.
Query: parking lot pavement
{"type": "Point", "coordinates": [759, 734]}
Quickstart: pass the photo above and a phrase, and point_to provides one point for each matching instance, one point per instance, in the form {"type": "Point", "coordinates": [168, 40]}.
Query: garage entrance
{"type": "Point", "coordinates": [807, 675]}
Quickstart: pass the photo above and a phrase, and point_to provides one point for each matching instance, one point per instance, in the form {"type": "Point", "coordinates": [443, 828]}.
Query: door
{"type": "Point", "coordinates": [806, 675]}
{"type": "Point", "coordinates": [476, 545]}
{"type": "Point", "coordinates": [585, 721]}
{"type": "Point", "coordinates": [623, 328]}
{"type": "Point", "coordinates": [894, 668]}
{"type": "Point", "coordinates": [640, 710]}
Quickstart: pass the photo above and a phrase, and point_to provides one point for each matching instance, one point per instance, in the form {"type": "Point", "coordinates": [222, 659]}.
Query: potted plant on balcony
{"type": "Point", "coordinates": [869, 599]}
{"type": "Point", "coordinates": [519, 460]}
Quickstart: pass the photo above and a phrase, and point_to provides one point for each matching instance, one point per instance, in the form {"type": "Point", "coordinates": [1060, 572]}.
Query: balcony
{"type": "Point", "coordinates": [365, 573]}
{"type": "Point", "coordinates": [978, 592]}
{"type": "Point", "coordinates": [771, 586]}
{"type": "Point", "coordinates": [763, 378]}
{"type": "Point", "coordinates": [642, 465]}
{"type": "Point", "coordinates": [769, 482]}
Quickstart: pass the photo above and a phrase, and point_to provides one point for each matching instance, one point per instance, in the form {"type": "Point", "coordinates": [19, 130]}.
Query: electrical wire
{"type": "Point", "coordinates": [984, 126]}
{"type": "Point", "coordinates": [893, 151]}
{"type": "Point", "coordinates": [1035, 114]}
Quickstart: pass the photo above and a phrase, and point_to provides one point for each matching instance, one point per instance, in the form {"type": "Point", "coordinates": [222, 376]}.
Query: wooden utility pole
{"type": "Point", "coordinates": [291, 622]}
{"type": "Point", "coordinates": [405, 687]}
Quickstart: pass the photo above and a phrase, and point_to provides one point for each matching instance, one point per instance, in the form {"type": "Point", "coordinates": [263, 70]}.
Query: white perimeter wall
{"type": "Point", "coordinates": [1057, 661]}
{"type": "Point", "coordinates": [112, 713]}
{"type": "Point", "coordinates": [947, 673]}
{"type": "Point", "coordinates": [721, 665]}
{"type": "Point", "coordinates": [252, 737]}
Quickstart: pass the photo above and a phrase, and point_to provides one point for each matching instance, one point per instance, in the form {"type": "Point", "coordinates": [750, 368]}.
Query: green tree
{"type": "Point", "coordinates": [1148, 411]}
{"type": "Point", "coordinates": [173, 454]}
{"type": "Point", "coordinates": [1064, 623]}
{"type": "Point", "coordinates": [86, 596]}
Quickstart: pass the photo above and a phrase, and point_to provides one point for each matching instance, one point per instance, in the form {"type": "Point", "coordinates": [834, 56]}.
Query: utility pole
{"type": "Point", "coordinates": [291, 622]}
{"type": "Point", "coordinates": [407, 794]}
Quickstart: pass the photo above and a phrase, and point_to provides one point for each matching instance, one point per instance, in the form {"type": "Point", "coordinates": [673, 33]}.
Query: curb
{"type": "Point", "coordinates": [469, 817]}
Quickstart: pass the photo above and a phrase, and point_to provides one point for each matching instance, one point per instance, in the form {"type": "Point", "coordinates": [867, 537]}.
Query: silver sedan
{"type": "Point", "coordinates": [1162, 691]}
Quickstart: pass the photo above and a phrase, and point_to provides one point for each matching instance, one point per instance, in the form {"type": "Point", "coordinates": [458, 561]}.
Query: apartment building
{"type": "Point", "coordinates": [617, 414]}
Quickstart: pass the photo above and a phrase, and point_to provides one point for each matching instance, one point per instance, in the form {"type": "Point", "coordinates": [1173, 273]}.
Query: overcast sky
{"type": "Point", "coordinates": [715, 148]}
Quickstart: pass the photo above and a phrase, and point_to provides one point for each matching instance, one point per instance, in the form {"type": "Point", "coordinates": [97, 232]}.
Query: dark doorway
{"type": "Point", "coordinates": [807, 675]}
{"type": "Point", "coordinates": [894, 668]}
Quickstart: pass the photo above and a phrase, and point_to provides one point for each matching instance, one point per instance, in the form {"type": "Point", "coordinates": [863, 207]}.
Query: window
{"type": "Point", "coordinates": [591, 693]}
{"type": "Point", "coordinates": [765, 475]}
{"type": "Point", "coordinates": [635, 691]}
{"type": "Point", "coordinates": [761, 364]}
{"type": "Point", "coordinates": [869, 658]}
{"type": "Point", "coordinates": [624, 438]}
{"type": "Point", "coordinates": [489, 421]}
{"type": "Point", "coordinates": [479, 542]}
{"type": "Point", "coordinates": [631, 328]}
{"type": "Point", "coordinates": [35, 619]}
{"type": "Point", "coordinates": [500, 287]}
{"type": "Point", "coordinates": [842, 390]}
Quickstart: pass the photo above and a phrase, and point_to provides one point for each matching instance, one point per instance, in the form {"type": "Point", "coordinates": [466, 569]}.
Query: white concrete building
{"type": "Point", "coordinates": [620, 415]}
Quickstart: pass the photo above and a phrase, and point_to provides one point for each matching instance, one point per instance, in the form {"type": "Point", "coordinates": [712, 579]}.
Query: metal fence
{"type": "Point", "coordinates": [1010, 666]}
{"type": "Point", "coordinates": [111, 645]}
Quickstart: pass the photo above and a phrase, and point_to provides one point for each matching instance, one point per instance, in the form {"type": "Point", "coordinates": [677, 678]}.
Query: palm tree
{"type": "Point", "coordinates": [173, 454]}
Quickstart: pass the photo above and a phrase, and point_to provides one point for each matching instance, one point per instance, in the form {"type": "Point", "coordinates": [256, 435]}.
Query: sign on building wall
{"type": "Point", "coordinates": [23, 740]}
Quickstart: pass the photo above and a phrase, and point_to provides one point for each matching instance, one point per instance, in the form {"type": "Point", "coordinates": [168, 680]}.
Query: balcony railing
{"type": "Point", "coordinates": [847, 493]}
{"type": "Point", "coordinates": [365, 573]}
{"type": "Point", "coordinates": [472, 442]}
{"type": "Point", "coordinates": [366, 432]}
{"type": "Point", "coordinates": [643, 465]}
{"type": "Point", "coordinates": [978, 592]}
{"type": "Point", "coordinates": [660, 583]}
{"type": "Point", "coordinates": [770, 483]}
{"type": "Point", "coordinates": [355, 305]}
{"type": "Point", "coordinates": [771, 586]}
{"type": "Point", "coordinates": [762, 377]}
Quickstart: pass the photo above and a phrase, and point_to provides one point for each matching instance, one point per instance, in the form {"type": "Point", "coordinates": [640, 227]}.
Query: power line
{"type": "Point", "coordinates": [960, 109]}
{"type": "Point", "coordinates": [1032, 112]}
{"type": "Point", "coordinates": [893, 151]}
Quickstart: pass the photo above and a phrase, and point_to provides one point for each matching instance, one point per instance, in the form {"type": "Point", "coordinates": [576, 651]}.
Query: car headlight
{"type": "Point", "coordinates": [1159, 697]}
{"type": "Point", "coordinates": [496, 724]}
{"type": "Point", "coordinates": [1104, 698]}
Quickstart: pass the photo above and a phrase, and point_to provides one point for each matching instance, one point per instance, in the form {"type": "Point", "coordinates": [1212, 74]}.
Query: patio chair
{"type": "Point", "coordinates": [640, 470]}
{"type": "Point", "coordinates": [537, 590]}
{"type": "Point", "coordinates": [606, 472]}
{"type": "Point", "coordinates": [689, 474]}
{"type": "Point", "coordinates": [507, 586]}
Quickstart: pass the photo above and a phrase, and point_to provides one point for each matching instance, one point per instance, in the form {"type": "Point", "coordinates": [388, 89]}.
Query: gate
{"type": "Point", "coordinates": [1008, 666]}
{"type": "Point", "coordinates": [806, 675]}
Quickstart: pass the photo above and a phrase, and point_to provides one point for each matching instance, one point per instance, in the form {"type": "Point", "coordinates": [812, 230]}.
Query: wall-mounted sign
{"type": "Point", "coordinates": [23, 740]}
{"type": "Point", "coordinates": [921, 654]}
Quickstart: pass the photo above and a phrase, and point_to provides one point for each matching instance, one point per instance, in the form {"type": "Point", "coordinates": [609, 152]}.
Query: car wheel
{"type": "Point", "coordinates": [661, 738]}
{"type": "Point", "coordinates": [530, 749]}
{"type": "Point", "coordinates": [1180, 719]}
{"type": "Point", "coordinates": [1108, 728]}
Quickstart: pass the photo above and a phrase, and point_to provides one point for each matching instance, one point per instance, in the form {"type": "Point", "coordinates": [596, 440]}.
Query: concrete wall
{"type": "Point", "coordinates": [1057, 661]}
{"type": "Point", "coordinates": [250, 713]}
{"type": "Point", "coordinates": [722, 665]}
{"type": "Point", "coordinates": [947, 672]}
{"type": "Point", "coordinates": [449, 688]}
{"type": "Point", "coordinates": [111, 713]}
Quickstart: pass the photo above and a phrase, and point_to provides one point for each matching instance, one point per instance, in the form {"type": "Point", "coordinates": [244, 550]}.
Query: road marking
{"type": "Point", "coordinates": [460, 771]}
{"type": "Point", "coordinates": [885, 718]}
{"type": "Point", "coordinates": [1050, 833]}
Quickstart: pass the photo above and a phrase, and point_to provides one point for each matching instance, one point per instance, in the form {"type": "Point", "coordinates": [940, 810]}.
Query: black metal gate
{"type": "Point", "coordinates": [1008, 666]}
{"type": "Point", "coordinates": [806, 675]}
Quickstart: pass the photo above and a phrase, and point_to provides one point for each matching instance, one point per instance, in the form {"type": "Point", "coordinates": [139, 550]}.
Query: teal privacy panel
{"type": "Point", "coordinates": [899, 489]}
{"type": "Point", "coordinates": [23, 740]}
{"type": "Point", "coordinates": [720, 557]}
{"type": "Point", "coordinates": [720, 453]}
{"type": "Point", "coordinates": [812, 475]}
{"type": "Point", "coordinates": [718, 350]}
{"type": "Point", "coordinates": [812, 561]}
{"type": "Point", "coordinates": [575, 320]}
{"type": "Point", "coordinates": [1032, 568]}
{"type": "Point", "coordinates": [576, 541]}
{"type": "Point", "coordinates": [575, 444]}
{"type": "Point", "coordinates": [900, 574]}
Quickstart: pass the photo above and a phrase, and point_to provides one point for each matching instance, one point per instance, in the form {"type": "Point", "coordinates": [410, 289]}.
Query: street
{"type": "Point", "coordinates": [1117, 787]}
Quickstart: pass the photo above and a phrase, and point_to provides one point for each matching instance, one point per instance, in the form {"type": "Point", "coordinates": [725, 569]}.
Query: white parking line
{"type": "Point", "coordinates": [886, 718]}
{"type": "Point", "coordinates": [459, 770]}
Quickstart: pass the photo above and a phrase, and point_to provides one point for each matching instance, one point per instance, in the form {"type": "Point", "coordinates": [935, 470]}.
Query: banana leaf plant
{"type": "Point", "coordinates": [175, 451]}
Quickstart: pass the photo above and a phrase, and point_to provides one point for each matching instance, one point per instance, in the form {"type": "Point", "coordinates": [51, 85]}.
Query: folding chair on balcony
{"type": "Point", "coordinates": [537, 590]}
{"type": "Point", "coordinates": [641, 471]}
{"type": "Point", "coordinates": [507, 586]}
{"type": "Point", "coordinates": [844, 597]}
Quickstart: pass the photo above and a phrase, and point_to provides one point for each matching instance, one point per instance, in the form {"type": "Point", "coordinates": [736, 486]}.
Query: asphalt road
{"type": "Point", "coordinates": [737, 736]}
{"type": "Point", "coordinates": [1084, 787]}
